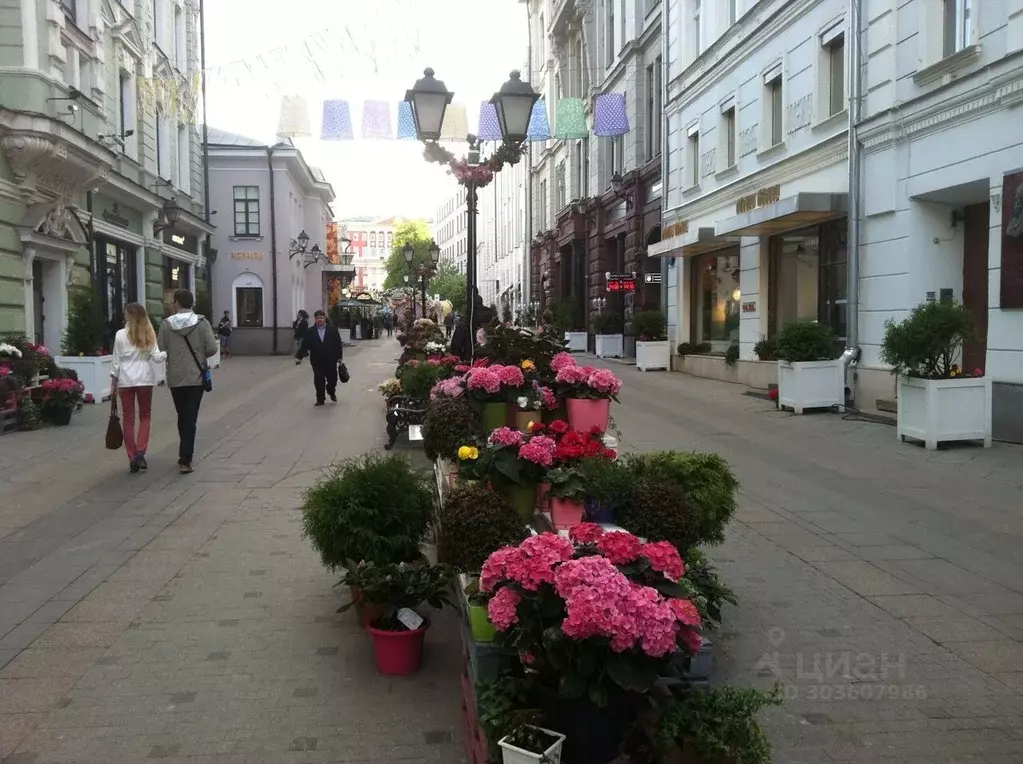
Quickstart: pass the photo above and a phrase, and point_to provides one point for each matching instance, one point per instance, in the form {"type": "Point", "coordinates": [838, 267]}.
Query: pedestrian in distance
{"type": "Point", "coordinates": [189, 341]}
{"type": "Point", "coordinates": [133, 379]}
{"type": "Point", "coordinates": [449, 323]}
{"type": "Point", "coordinates": [324, 347]}
{"type": "Point", "coordinates": [300, 326]}
{"type": "Point", "coordinates": [224, 332]}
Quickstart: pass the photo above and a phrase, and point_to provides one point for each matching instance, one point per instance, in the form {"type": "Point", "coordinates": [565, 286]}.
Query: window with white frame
{"type": "Point", "coordinates": [246, 211]}
{"type": "Point", "coordinates": [609, 32]}
{"type": "Point", "coordinates": [560, 188]}
{"type": "Point", "coordinates": [774, 108]}
{"type": "Point", "coordinates": [693, 150]}
{"type": "Point", "coordinates": [180, 40]}
{"type": "Point", "coordinates": [654, 108]}
{"type": "Point", "coordinates": [697, 33]}
{"type": "Point", "coordinates": [729, 132]}
{"type": "Point", "coordinates": [184, 160]}
{"type": "Point", "coordinates": [957, 25]}
{"type": "Point", "coordinates": [832, 73]}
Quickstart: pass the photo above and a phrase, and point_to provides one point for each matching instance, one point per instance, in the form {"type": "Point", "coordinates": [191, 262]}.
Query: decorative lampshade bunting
{"type": "Point", "coordinates": [406, 123]}
{"type": "Point", "coordinates": [610, 116]}
{"type": "Point", "coordinates": [376, 120]}
{"type": "Point", "coordinates": [337, 121]}
{"type": "Point", "coordinates": [539, 122]}
{"type": "Point", "coordinates": [570, 119]}
{"type": "Point", "coordinates": [489, 127]}
{"type": "Point", "coordinates": [294, 119]}
{"type": "Point", "coordinates": [456, 123]}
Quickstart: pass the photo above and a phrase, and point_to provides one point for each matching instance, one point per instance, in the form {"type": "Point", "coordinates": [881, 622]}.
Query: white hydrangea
{"type": "Point", "coordinates": [8, 349]}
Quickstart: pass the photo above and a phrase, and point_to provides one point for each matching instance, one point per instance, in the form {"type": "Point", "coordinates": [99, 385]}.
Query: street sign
{"type": "Point", "coordinates": [621, 282]}
{"type": "Point", "coordinates": [652, 278]}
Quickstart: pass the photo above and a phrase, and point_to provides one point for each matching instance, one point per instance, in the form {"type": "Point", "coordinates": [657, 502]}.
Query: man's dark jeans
{"type": "Point", "coordinates": [325, 381]}
{"type": "Point", "coordinates": [186, 403]}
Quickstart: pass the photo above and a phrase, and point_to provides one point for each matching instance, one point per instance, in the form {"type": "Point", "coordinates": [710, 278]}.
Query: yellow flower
{"type": "Point", "coordinates": [530, 426]}
{"type": "Point", "coordinates": [528, 365]}
{"type": "Point", "coordinates": [474, 453]}
{"type": "Point", "coordinates": [463, 452]}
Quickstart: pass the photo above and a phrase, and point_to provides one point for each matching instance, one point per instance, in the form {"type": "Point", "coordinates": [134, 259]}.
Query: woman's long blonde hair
{"type": "Point", "coordinates": [140, 328]}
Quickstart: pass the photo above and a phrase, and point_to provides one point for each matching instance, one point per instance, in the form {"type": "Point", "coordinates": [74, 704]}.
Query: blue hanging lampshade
{"type": "Point", "coordinates": [539, 122]}
{"type": "Point", "coordinates": [376, 120]}
{"type": "Point", "coordinates": [610, 115]}
{"type": "Point", "coordinates": [570, 120]}
{"type": "Point", "coordinates": [337, 121]}
{"type": "Point", "coordinates": [406, 123]}
{"type": "Point", "coordinates": [489, 127]}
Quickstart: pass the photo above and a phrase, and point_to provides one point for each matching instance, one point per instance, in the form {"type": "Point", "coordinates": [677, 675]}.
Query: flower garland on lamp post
{"type": "Point", "coordinates": [513, 103]}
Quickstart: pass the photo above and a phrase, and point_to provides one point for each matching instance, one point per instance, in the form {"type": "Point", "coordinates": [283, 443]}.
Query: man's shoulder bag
{"type": "Point", "coordinates": [204, 367]}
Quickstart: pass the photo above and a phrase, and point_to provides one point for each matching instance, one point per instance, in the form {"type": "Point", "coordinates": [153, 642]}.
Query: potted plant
{"type": "Point", "coordinates": [60, 398]}
{"type": "Point", "coordinates": [609, 486]}
{"type": "Point", "coordinates": [938, 400]}
{"type": "Point", "coordinates": [531, 745]}
{"type": "Point", "coordinates": [588, 392]}
{"type": "Point", "coordinates": [607, 330]}
{"type": "Point", "coordinates": [28, 415]}
{"type": "Point", "coordinates": [653, 351]}
{"type": "Point", "coordinates": [474, 523]}
{"type": "Point", "coordinates": [809, 374]}
{"type": "Point", "coordinates": [83, 348]}
{"type": "Point", "coordinates": [395, 590]}
{"type": "Point", "coordinates": [567, 492]}
{"type": "Point", "coordinates": [517, 464]}
{"type": "Point", "coordinates": [490, 387]}
{"type": "Point", "coordinates": [569, 325]}
{"type": "Point", "coordinates": [449, 424]}
{"type": "Point", "coordinates": [418, 378]}
{"type": "Point", "coordinates": [389, 388]}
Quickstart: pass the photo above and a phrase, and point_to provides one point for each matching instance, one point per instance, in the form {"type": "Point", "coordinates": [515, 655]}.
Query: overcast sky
{"type": "Point", "coordinates": [358, 50]}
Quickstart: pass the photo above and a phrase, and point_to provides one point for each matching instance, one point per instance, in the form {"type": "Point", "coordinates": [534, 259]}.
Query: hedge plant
{"type": "Point", "coordinates": [659, 511]}
{"type": "Point", "coordinates": [474, 523]}
{"type": "Point", "coordinates": [805, 341]}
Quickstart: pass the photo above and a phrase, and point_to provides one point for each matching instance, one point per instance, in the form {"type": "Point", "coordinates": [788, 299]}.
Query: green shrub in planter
{"type": "Point", "coordinates": [449, 424]}
{"type": "Point", "coordinates": [649, 326]}
{"type": "Point", "coordinates": [659, 511]}
{"type": "Point", "coordinates": [474, 523]}
{"type": "Point", "coordinates": [766, 350]}
{"type": "Point", "coordinates": [607, 323]}
{"type": "Point", "coordinates": [610, 484]}
{"type": "Point", "coordinates": [732, 354]}
{"type": "Point", "coordinates": [927, 344]}
{"type": "Point", "coordinates": [418, 379]}
{"type": "Point", "coordinates": [373, 509]}
{"type": "Point", "coordinates": [707, 482]}
{"type": "Point", "coordinates": [804, 341]}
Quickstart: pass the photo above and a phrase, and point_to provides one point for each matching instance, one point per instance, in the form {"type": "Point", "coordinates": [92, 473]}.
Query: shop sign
{"type": "Point", "coordinates": [652, 278]}
{"type": "Point", "coordinates": [246, 255]}
{"type": "Point", "coordinates": [749, 307]}
{"type": "Point", "coordinates": [114, 217]}
{"type": "Point", "coordinates": [761, 198]}
{"type": "Point", "coordinates": [677, 228]}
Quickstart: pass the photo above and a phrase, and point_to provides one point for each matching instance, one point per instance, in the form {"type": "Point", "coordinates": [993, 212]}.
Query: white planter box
{"type": "Point", "coordinates": [653, 355]}
{"type": "Point", "coordinates": [92, 371]}
{"type": "Point", "coordinates": [512, 755]}
{"type": "Point", "coordinates": [576, 341]}
{"type": "Point", "coordinates": [942, 410]}
{"type": "Point", "coordinates": [810, 385]}
{"type": "Point", "coordinates": [609, 345]}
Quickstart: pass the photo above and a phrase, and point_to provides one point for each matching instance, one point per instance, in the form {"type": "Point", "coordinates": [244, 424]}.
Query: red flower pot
{"type": "Point", "coordinates": [398, 653]}
{"type": "Point", "coordinates": [566, 512]}
{"type": "Point", "coordinates": [586, 413]}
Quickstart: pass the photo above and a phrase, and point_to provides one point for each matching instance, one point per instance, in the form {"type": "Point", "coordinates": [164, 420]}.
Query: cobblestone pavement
{"type": "Point", "coordinates": [183, 618]}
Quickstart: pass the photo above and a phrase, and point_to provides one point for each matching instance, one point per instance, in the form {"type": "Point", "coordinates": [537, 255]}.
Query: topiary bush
{"type": "Point", "coordinates": [706, 480]}
{"type": "Point", "coordinates": [373, 509]}
{"type": "Point", "coordinates": [804, 341]}
{"type": "Point", "coordinates": [659, 511]}
{"type": "Point", "coordinates": [649, 326]}
{"type": "Point", "coordinates": [928, 343]}
{"type": "Point", "coordinates": [449, 424]}
{"type": "Point", "coordinates": [474, 523]}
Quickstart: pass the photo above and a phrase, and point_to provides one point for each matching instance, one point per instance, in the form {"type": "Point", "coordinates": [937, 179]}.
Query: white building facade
{"type": "Point", "coordinates": [450, 229]}
{"type": "Point", "coordinates": [501, 235]}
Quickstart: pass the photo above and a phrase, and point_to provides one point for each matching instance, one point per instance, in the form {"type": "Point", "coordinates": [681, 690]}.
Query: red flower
{"type": "Point", "coordinates": [559, 426]}
{"type": "Point", "coordinates": [585, 533]}
{"type": "Point", "coordinates": [978, 372]}
{"type": "Point", "coordinates": [619, 547]}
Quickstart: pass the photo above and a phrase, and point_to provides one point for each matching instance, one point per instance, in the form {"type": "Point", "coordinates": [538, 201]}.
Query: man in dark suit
{"type": "Point", "coordinates": [323, 345]}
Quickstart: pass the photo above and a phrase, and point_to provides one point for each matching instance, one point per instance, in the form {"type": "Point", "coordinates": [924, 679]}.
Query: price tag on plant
{"type": "Point", "coordinates": [415, 432]}
{"type": "Point", "coordinates": [410, 619]}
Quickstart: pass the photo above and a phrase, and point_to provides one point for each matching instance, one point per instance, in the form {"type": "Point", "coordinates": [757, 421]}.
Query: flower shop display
{"type": "Point", "coordinates": [517, 465]}
{"type": "Point", "coordinates": [653, 351]}
{"type": "Point", "coordinates": [395, 590]}
{"type": "Point", "coordinates": [60, 398]}
{"type": "Point", "coordinates": [608, 338]}
{"type": "Point", "coordinates": [472, 463]}
{"type": "Point", "coordinates": [531, 745]}
{"type": "Point", "coordinates": [83, 349]}
{"type": "Point", "coordinates": [567, 487]}
{"type": "Point", "coordinates": [938, 400]}
{"type": "Point", "coordinates": [589, 393]}
{"type": "Point", "coordinates": [810, 376]}
{"type": "Point", "coordinates": [595, 617]}
{"type": "Point", "coordinates": [449, 424]}
{"type": "Point", "coordinates": [490, 386]}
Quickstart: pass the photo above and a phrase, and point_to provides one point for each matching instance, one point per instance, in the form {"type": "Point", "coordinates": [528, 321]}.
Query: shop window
{"type": "Point", "coordinates": [716, 300]}
{"type": "Point", "coordinates": [808, 277]}
{"type": "Point", "coordinates": [957, 26]}
{"type": "Point", "coordinates": [246, 210]}
{"type": "Point", "coordinates": [117, 278]}
{"type": "Point", "coordinates": [249, 301]}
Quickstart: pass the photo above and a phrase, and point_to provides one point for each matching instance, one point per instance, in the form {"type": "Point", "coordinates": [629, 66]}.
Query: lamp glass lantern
{"type": "Point", "coordinates": [616, 183]}
{"type": "Point", "coordinates": [434, 253]}
{"type": "Point", "coordinates": [171, 212]}
{"type": "Point", "coordinates": [303, 241]}
{"type": "Point", "coordinates": [514, 106]}
{"type": "Point", "coordinates": [429, 100]}
{"type": "Point", "coordinates": [409, 252]}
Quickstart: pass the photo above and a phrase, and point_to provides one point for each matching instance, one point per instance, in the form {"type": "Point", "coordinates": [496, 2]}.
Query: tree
{"type": "Point", "coordinates": [450, 285]}
{"type": "Point", "coordinates": [417, 233]}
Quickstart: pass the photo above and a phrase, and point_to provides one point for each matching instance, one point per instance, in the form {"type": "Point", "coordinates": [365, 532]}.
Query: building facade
{"type": "Point", "coordinates": [450, 230]}
{"type": "Point", "coordinates": [501, 261]}
{"type": "Point", "coordinates": [101, 176]}
{"type": "Point", "coordinates": [597, 201]}
{"type": "Point", "coordinates": [266, 196]}
{"type": "Point", "coordinates": [372, 242]}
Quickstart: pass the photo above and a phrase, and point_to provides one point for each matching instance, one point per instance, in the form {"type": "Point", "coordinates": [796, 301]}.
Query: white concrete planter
{"type": "Point", "coordinates": [942, 410]}
{"type": "Point", "coordinates": [653, 355]}
{"type": "Point", "coordinates": [810, 385]}
{"type": "Point", "coordinates": [609, 345]}
{"type": "Point", "coordinates": [513, 755]}
{"type": "Point", "coordinates": [576, 341]}
{"type": "Point", "coordinates": [92, 371]}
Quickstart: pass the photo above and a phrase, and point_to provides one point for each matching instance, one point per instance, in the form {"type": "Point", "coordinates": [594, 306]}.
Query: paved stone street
{"type": "Point", "coordinates": [185, 619]}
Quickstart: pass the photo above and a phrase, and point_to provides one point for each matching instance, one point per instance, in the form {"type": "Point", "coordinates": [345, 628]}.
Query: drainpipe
{"type": "Point", "coordinates": [205, 146]}
{"type": "Point", "coordinates": [665, 169]}
{"type": "Point", "coordinates": [273, 246]}
{"type": "Point", "coordinates": [527, 288]}
{"type": "Point", "coordinates": [852, 349]}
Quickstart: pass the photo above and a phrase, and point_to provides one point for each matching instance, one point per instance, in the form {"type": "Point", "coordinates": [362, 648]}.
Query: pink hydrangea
{"type": "Point", "coordinates": [511, 376]}
{"type": "Point", "coordinates": [604, 381]}
{"type": "Point", "coordinates": [495, 569]}
{"type": "Point", "coordinates": [447, 388]}
{"type": "Point", "coordinates": [592, 571]}
{"type": "Point", "coordinates": [572, 375]}
{"type": "Point", "coordinates": [562, 360]}
{"type": "Point", "coordinates": [648, 619]}
{"type": "Point", "coordinates": [547, 398]}
{"type": "Point", "coordinates": [686, 612]}
{"type": "Point", "coordinates": [619, 547]}
{"type": "Point", "coordinates": [585, 533]}
{"type": "Point", "coordinates": [539, 450]}
{"type": "Point", "coordinates": [483, 379]}
{"type": "Point", "coordinates": [506, 436]}
{"type": "Point", "coordinates": [5, 370]}
{"type": "Point", "coordinates": [502, 609]}
{"type": "Point", "coordinates": [693, 641]}
{"type": "Point", "coordinates": [664, 558]}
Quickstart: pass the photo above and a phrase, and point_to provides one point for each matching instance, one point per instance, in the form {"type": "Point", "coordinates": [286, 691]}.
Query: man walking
{"type": "Point", "coordinates": [188, 340]}
{"type": "Point", "coordinates": [324, 347]}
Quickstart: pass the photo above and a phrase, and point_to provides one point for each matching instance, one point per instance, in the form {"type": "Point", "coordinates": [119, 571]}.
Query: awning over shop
{"type": "Point", "coordinates": [691, 243]}
{"type": "Point", "coordinates": [792, 212]}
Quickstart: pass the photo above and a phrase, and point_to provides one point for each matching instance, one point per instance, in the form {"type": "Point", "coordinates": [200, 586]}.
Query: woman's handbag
{"type": "Point", "coordinates": [342, 373]}
{"type": "Point", "coordinates": [115, 435]}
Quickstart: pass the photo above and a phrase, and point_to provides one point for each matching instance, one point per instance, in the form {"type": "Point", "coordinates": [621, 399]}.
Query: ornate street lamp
{"type": "Point", "coordinates": [303, 241]}
{"type": "Point", "coordinates": [429, 100]}
{"type": "Point", "coordinates": [514, 106]}
{"type": "Point", "coordinates": [171, 215]}
{"type": "Point", "coordinates": [409, 252]}
{"type": "Point", "coordinates": [434, 253]}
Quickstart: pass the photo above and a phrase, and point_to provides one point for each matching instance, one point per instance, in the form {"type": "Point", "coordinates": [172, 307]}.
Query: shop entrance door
{"type": "Point", "coordinates": [975, 282]}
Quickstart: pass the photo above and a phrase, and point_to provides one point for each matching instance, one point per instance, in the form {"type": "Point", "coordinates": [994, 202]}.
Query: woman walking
{"type": "Point", "coordinates": [133, 379]}
{"type": "Point", "coordinates": [301, 327]}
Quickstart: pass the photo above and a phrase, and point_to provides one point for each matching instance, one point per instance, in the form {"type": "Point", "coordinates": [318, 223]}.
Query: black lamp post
{"type": "Point", "coordinates": [429, 99]}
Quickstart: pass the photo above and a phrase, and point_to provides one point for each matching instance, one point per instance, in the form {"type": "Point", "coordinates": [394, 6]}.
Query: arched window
{"type": "Point", "coordinates": [247, 292]}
